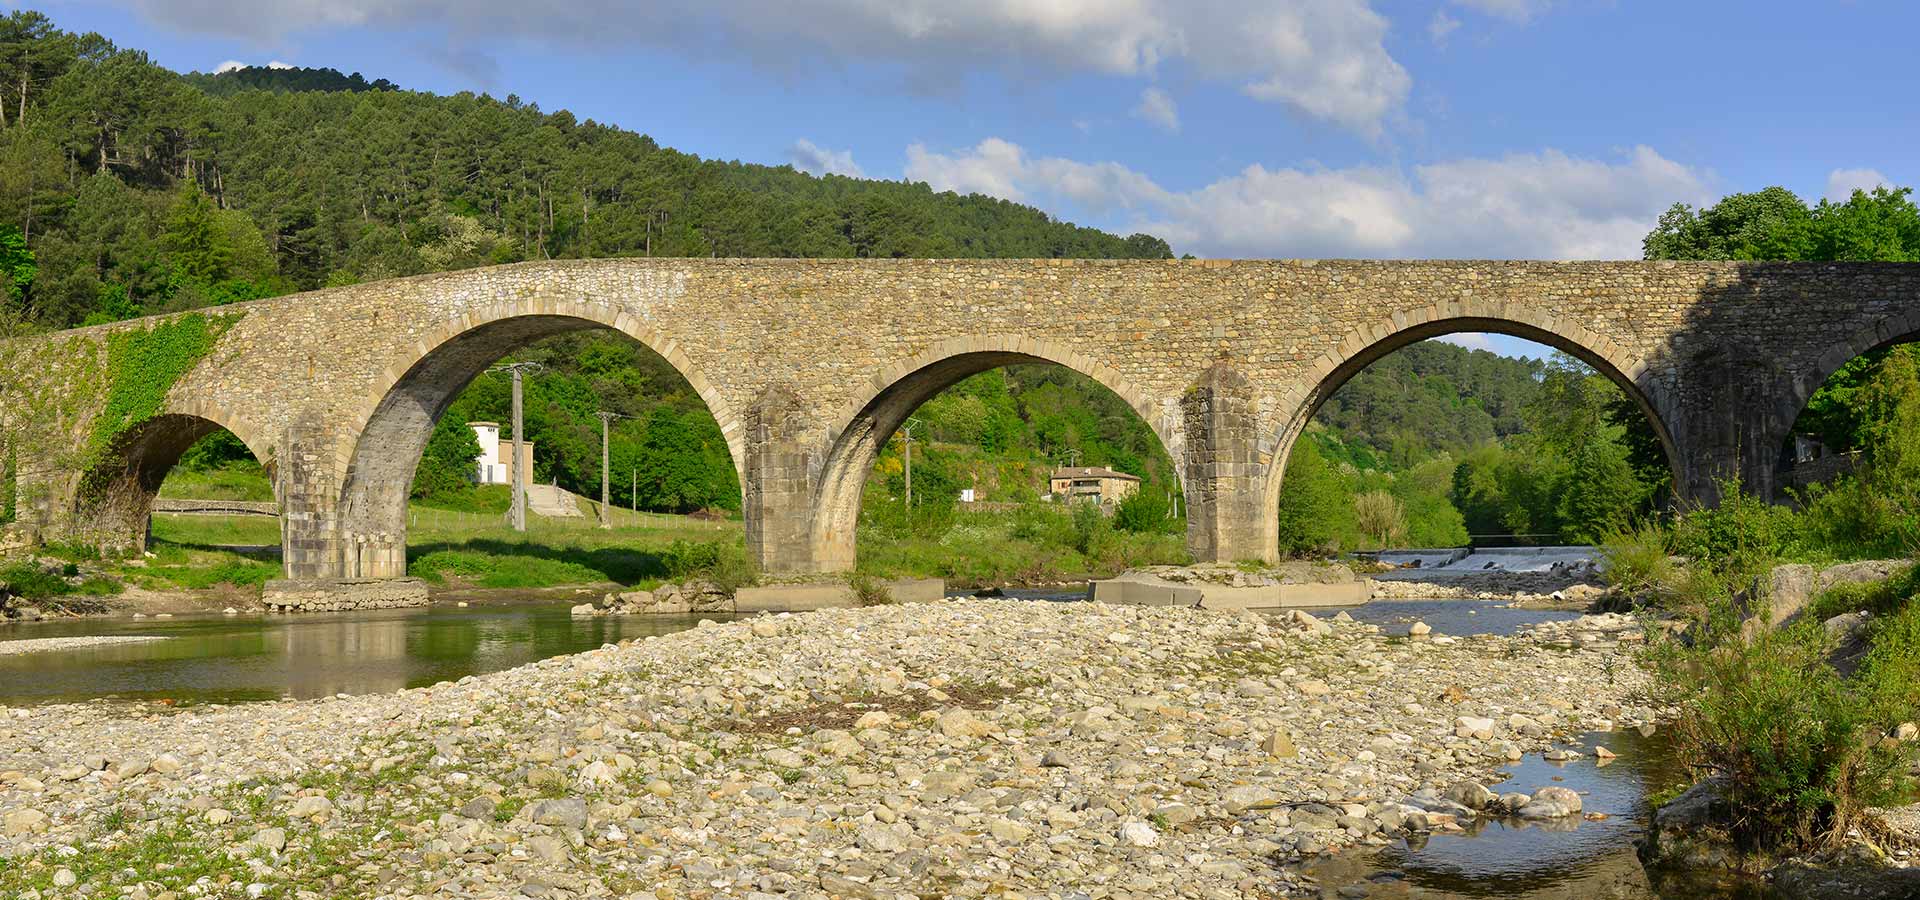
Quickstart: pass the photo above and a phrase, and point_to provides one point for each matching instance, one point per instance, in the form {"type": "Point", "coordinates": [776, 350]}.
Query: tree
{"type": "Point", "coordinates": [447, 466]}
{"type": "Point", "coordinates": [1889, 410]}
{"type": "Point", "coordinates": [17, 266]}
{"type": "Point", "coordinates": [196, 243]}
{"type": "Point", "coordinates": [1600, 493]}
{"type": "Point", "coordinates": [1314, 502]}
{"type": "Point", "coordinates": [1768, 224]}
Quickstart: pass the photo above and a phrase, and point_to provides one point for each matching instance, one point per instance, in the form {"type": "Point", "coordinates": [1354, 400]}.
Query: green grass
{"type": "Point", "coordinates": [235, 481]}
{"type": "Point", "coordinates": [1880, 598]}
{"type": "Point", "coordinates": [1028, 546]}
{"type": "Point", "coordinates": [464, 541]}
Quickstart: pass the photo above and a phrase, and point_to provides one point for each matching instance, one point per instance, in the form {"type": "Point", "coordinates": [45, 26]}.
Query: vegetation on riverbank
{"type": "Point", "coordinates": [1033, 544]}
{"type": "Point", "coordinates": [1800, 720]}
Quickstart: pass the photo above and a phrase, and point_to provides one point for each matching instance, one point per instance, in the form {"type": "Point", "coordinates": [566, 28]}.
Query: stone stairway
{"type": "Point", "coordinates": [550, 502]}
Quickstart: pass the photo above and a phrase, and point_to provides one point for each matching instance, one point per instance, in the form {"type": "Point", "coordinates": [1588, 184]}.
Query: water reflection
{"type": "Point", "coordinates": [1557, 860]}
{"type": "Point", "coordinates": [229, 659]}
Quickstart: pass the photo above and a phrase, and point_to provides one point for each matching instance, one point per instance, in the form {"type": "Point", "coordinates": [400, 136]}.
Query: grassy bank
{"type": "Point", "coordinates": [1035, 544]}
{"type": "Point", "coordinates": [473, 547]}
{"type": "Point", "coordinates": [449, 547]}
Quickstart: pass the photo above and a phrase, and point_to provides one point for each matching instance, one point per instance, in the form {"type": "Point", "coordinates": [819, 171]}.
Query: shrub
{"type": "Point", "coordinates": [1380, 518]}
{"type": "Point", "coordinates": [1878, 598]}
{"type": "Point", "coordinates": [722, 562]}
{"type": "Point", "coordinates": [32, 582]}
{"type": "Point", "coordinates": [1744, 534]}
{"type": "Point", "coordinates": [1635, 560]}
{"type": "Point", "coordinates": [1090, 527]}
{"type": "Point", "coordinates": [1144, 512]}
{"type": "Point", "coordinates": [1042, 523]}
{"type": "Point", "coordinates": [1797, 745]}
{"type": "Point", "coordinates": [868, 590]}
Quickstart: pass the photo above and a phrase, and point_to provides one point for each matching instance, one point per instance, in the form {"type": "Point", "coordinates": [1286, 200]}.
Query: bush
{"type": "Point", "coordinates": [1735, 544]}
{"type": "Point", "coordinates": [1877, 598]}
{"type": "Point", "coordinates": [9, 489]}
{"type": "Point", "coordinates": [1797, 745]}
{"type": "Point", "coordinates": [1090, 527]}
{"type": "Point", "coordinates": [868, 590]}
{"type": "Point", "coordinates": [722, 562]}
{"type": "Point", "coordinates": [1853, 519]}
{"type": "Point", "coordinates": [32, 582]}
{"type": "Point", "coordinates": [1380, 519]}
{"type": "Point", "coordinates": [1042, 523]}
{"type": "Point", "coordinates": [1144, 512]}
{"type": "Point", "coordinates": [1635, 560]}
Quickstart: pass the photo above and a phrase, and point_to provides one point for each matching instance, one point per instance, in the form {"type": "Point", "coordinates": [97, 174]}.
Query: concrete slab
{"type": "Point", "coordinates": [1137, 589]}
{"type": "Point", "coordinates": [830, 595]}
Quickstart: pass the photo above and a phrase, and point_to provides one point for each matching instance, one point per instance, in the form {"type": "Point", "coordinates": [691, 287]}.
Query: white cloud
{"type": "Point", "coordinates": [1472, 340]}
{"type": "Point", "coordinates": [1841, 183]}
{"type": "Point", "coordinates": [1325, 59]}
{"type": "Point", "coordinates": [1511, 10]}
{"type": "Point", "coordinates": [234, 64]}
{"type": "Point", "coordinates": [1442, 26]}
{"type": "Point", "coordinates": [1543, 205]}
{"type": "Point", "coordinates": [1157, 107]}
{"type": "Point", "coordinates": [812, 158]}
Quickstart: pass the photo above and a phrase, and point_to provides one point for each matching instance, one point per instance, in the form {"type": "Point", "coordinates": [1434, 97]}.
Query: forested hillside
{"type": "Point", "coordinates": [1431, 397]}
{"type": "Point", "coordinates": [127, 189]}
{"type": "Point", "coordinates": [138, 190]}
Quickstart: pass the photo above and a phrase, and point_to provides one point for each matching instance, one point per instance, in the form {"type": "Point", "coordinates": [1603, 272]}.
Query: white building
{"type": "Point", "coordinates": [494, 465]}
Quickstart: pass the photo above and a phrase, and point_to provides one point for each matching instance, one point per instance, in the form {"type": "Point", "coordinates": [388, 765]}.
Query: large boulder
{"type": "Point", "coordinates": [1689, 832]}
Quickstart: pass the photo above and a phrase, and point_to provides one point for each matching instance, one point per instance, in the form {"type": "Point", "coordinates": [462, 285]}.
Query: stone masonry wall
{"type": "Point", "coordinates": [343, 596]}
{"type": "Point", "coordinates": [1723, 354]}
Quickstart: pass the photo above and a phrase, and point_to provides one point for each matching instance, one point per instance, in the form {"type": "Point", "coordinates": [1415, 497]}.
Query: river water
{"type": "Point", "coordinates": [252, 657]}
{"type": "Point", "coordinates": [248, 658]}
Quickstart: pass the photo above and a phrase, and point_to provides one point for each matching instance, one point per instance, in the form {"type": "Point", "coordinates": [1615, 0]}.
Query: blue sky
{"type": "Point", "coordinates": [1551, 129]}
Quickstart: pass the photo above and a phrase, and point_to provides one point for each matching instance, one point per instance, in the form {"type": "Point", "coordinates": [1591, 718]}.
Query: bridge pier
{"type": "Point", "coordinates": [1225, 470]}
{"type": "Point", "coordinates": [777, 490]}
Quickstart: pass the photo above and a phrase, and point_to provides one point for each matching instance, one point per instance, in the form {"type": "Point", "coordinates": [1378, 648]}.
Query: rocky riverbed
{"type": "Point", "coordinates": [40, 645]}
{"type": "Point", "coordinates": [964, 748]}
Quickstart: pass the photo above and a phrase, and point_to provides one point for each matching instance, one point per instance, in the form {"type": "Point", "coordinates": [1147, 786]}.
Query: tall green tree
{"type": "Point", "coordinates": [1315, 504]}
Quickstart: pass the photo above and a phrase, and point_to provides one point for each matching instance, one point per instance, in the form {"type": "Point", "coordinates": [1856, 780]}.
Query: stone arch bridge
{"type": "Point", "coordinates": [810, 365]}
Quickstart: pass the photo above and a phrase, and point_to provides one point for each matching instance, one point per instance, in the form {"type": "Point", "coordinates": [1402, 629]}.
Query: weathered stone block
{"type": "Point", "coordinates": [342, 595]}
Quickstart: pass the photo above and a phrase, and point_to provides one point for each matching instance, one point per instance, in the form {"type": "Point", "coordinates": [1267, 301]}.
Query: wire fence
{"type": "Point", "coordinates": [424, 518]}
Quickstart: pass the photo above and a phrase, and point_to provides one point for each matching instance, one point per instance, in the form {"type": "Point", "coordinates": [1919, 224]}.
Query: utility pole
{"type": "Point", "coordinates": [606, 511]}
{"type": "Point", "coordinates": [906, 439]}
{"type": "Point", "coordinates": [636, 489]}
{"type": "Point", "coordinates": [520, 467]}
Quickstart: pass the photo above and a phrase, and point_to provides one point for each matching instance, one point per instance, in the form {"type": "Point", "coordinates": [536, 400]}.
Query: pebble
{"type": "Point", "coordinates": [963, 748]}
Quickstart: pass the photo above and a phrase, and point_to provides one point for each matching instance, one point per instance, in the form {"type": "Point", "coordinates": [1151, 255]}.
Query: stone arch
{"type": "Point", "coordinates": [113, 500]}
{"type": "Point", "coordinates": [374, 464]}
{"type": "Point", "coordinates": [1899, 328]}
{"type": "Point", "coordinates": [1368, 344]}
{"type": "Point", "coordinates": [863, 426]}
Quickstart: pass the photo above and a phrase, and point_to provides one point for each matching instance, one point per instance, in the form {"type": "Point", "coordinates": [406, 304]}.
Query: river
{"type": "Point", "coordinates": [228, 659]}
